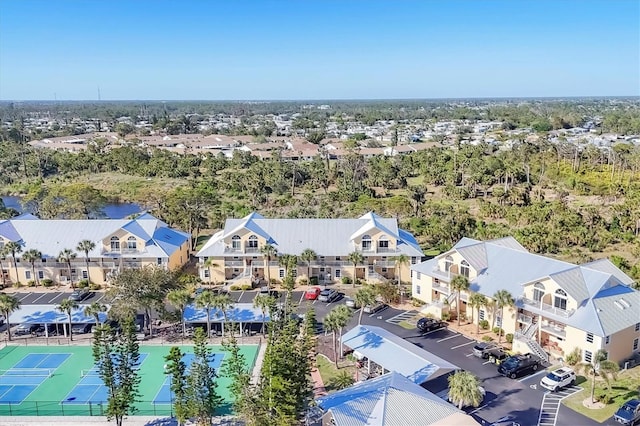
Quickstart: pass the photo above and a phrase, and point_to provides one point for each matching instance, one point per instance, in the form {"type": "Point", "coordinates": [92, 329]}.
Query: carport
{"type": "Point", "coordinates": [242, 313]}
{"type": "Point", "coordinates": [47, 314]}
{"type": "Point", "coordinates": [393, 353]}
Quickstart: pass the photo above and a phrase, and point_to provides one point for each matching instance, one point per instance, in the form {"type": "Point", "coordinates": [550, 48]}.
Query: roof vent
{"type": "Point", "coordinates": [624, 303]}
{"type": "Point", "coordinates": [618, 304]}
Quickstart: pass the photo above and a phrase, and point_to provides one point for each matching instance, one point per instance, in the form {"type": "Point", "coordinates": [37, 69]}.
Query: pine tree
{"type": "Point", "coordinates": [201, 381]}
{"type": "Point", "coordinates": [176, 369]}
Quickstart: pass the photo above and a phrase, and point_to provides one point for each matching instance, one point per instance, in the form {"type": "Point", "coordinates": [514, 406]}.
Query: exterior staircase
{"type": "Point", "coordinates": [537, 349]}
{"type": "Point", "coordinates": [246, 274]}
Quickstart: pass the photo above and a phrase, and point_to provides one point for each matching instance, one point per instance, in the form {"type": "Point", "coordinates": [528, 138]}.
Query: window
{"type": "Point", "coordinates": [235, 242]}
{"type": "Point", "coordinates": [115, 244]}
{"type": "Point", "coordinates": [538, 292]}
{"type": "Point", "coordinates": [560, 299]}
{"type": "Point", "coordinates": [85, 275]}
{"type": "Point", "coordinates": [417, 275]}
{"type": "Point", "coordinates": [481, 315]}
{"type": "Point", "coordinates": [132, 244]}
{"type": "Point", "coordinates": [383, 242]}
{"type": "Point", "coordinates": [635, 344]}
{"type": "Point", "coordinates": [499, 321]}
{"type": "Point", "coordinates": [206, 273]}
{"type": "Point", "coordinates": [606, 340]}
{"type": "Point", "coordinates": [253, 242]}
{"type": "Point", "coordinates": [294, 272]}
{"type": "Point", "coordinates": [384, 270]}
{"type": "Point", "coordinates": [414, 260]}
{"type": "Point", "coordinates": [417, 289]}
{"type": "Point", "coordinates": [638, 326]}
{"type": "Point", "coordinates": [281, 273]}
{"type": "Point", "coordinates": [27, 274]}
{"type": "Point", "coordinates": [338, 273]}
{"type": "Point", "coordinates": [464, 268]}
{"type": "Point", "coordinates": [159, 261]}
{"type": "Point", "coordinates": [590, 337]}
{"type": "Point", "coordinates": [40, 275]}
{"type": "Point", "coordinates": [338, 258]}
{"type": "Point", "coordinates": [366, 242]}
{"type": "Point", "coordinates": [587, 356]}
{"type": "Point", "coordinates": [448, 263]}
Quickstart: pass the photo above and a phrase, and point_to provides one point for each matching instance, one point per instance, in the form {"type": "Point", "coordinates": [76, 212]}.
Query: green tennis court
{"type": "Point", "coordinates": [29, 392]}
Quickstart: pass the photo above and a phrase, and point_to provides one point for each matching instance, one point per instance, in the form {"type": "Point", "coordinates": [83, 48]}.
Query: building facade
{"type": "Point", "coordinates": [557, 306]}
{"type": "Point", "coordinates": [114, 244]}
{"type": "Point", "coordinates": [237, 255]}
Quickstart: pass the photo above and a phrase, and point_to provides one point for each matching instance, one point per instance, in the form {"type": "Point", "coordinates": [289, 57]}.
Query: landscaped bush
{"type": "Point", "coordinates": [246, 287]}
{"type": "Point", "coordinates": [509, 337]}
{"type": "Point", "coordinates": [31, 283]}
{"type": "Point", "coordinates": [416, 302]}
{"type": "Point", "coordinates": [573, 357]}
{"type": "Point", "coordinates": [47, 282]}
{"type": "Point", "coordinates": [17, 284]}
{"type": "Point", "coordinates": [313, 280]}
{"type": "Point", "coordinates": [446, 316]}
{"type": "Point", "coordinates": [603, 396]}
{"type": "Point", "coordinates": [346, 280]}
{"type": "Point", "coordinates": [234, 287]}
{"type": "Point", "coordinates": [83, 283]}
{"type": "Point", "coordinates": [498, 331]}
{"type": "Point", "coordinates": [487, 338]}
{"type": "Point", "coordinates": [484, 324]}
{"type": "Point", "coordinates": [303, 281]}
{"type": "Point", "coordinates": [95, 286]}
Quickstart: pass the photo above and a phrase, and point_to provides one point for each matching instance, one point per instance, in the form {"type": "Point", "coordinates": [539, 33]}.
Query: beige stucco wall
{"type": "Point", "coordinates": [620, 345]}
{"type": "Point", "coordinates": [376, 235]}
{"type": "Point", "coordinates": [550, 288]}
{"type": "Point", "coordinates": [457, 260]}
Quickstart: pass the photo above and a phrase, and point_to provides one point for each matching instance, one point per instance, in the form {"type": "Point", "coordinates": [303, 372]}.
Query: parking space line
{"type": "Point", "coordinates": [486, 362]}
{"type": "Point", "coordinates": [39, 297]}
{"type": "Point", "coordinates": [464, 344]}
{"type": "Point", "coordinates": [450, 337]}
{"type": "Point", "coordinates": [55, 297]}
{"type": "Point", "coordinates": [532, 376]}
{"type": "Point", "coordinates": [468, 355]}
{"type": "Point", "coordinates": [25, 296]}
{"type": "Point", "coordinates": [301, 297]}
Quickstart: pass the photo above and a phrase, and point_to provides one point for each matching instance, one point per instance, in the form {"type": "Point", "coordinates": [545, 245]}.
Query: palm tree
{"type": "Point", "coordinates": [180, 299]}
{"type": "Point", "coordinates": [307, 256]}
{"type": "Point", "coordinates": [66, 306]}
{"type": "Point", "coordinates": [503, 299]}
{"type": "Point", "coordinates": [458, 284]}
{"type": "Point", "coordinates": [31, 256]}
{"type": "Point", "coordinates": [268, 252]}
{"type": "Point", "coordinates": [342, 380]}
{"type": "Point", "coordinates": [3, 253]}
{"type": "Point", "coordinates": [600, 366]}
{"type": "Point", "coordinates": [86, 246]}
{"type": "Point", "coordinates": [491, 307]}
{"type": "Point", "coordinates": [332, 324]}
{"type": "Point", "coordinates": [265, 303]}
{"type": "Point", "coordinates": [477, 301]}
{"type": "Point", "coordinates": [401, 260]}
{"type": "Point", "coordinates": [14, 248]}
{"type": "Point", "coordinates": [66, 256]}
{"type": "Point", "coordinates": [343, 315]}
{"type": "Point", "coordinates": [8, 304]}
{"type": "Point", "coordinates": [206, 300]}
{"type": "Point", "coordinates": [94, 310]}
{"type": "Point", "coordinates": [363, 297]}
{"type": "Point", "coordinates": [356, 258]}
{"type": "Point", "coordinates": [464, 389]}
{"type": "Point", "coordinates": [223, 302]}
{"type": "Point", "coordinates": [210, 263]}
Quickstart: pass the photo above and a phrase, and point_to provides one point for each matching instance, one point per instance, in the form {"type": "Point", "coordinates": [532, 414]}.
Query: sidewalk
{"type": "Point", "coordinates": [318, 384]}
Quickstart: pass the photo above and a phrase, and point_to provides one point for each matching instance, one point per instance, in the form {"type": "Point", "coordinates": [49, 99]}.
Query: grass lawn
{"type": "Point", "coordinates": [623, 389]}
{"type": "Point", "coordinates": [328, 369]}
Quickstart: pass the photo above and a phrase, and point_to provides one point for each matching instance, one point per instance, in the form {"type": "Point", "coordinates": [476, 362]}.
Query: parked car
{"type": "Point", "coordinates": [23, 329]}
{"type": "Point", "coordinates": [629, 413]}
{"type": "Point", "coordinates": [429, 324]}
{"type": "Point", "coordinates": [44, 330]}
{"type": "Point", "coordinates": [517, 365]}
{"type": "Point", "coordinates": [350, 302]}
{"type": "Point", "coordinates": [372, 309]}
{"type": "Point", "coordinates": [328, 295]}
{"type": "Point", "coordinates": [79, 294]}
{"type": "Point", "coordinates": [312, 293]}
{"type": "Point", "coordinates": [482, 349]}
{"type": "Point", "coordinates": [266, 290]}
{"type": "Point", "coordinates": [558, 379]}
{"type": "Point", "coordinates": [81, 328]}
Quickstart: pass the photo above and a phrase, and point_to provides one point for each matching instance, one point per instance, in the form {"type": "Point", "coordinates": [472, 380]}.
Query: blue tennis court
{"type": "Point", "coordinates": [27, 374]}
{"type": "Point", "coordinates": [91, 388]}
{"type": "Point", "coordinates": [165, 396]}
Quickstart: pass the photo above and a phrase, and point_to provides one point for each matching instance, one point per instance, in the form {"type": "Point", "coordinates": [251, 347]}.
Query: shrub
{"type": "Point", "coordinates": [246, 287]}
{"type": "Point", "coordinates": [234, 287]}
{"type": "Point", "coordinates": [31, 283]}
{"type": "Point", "coordinates": [484, 324]}
{"type": "Point", "coordinates": [446, 316]}
{"type": "Point", "coordinates": [487, 338]}
{"type": "Point", "coordinates": [509, 337]}
{"type": "Point", "coordinates": [313, 281]}
{"type": "Point", "coordinates": [346, 280]}
{"type": "Point", "coordinates": [17, 284]}
{"type": "Point", "coordinates": [573, 357]}
{"type": "Point", "coordinates": [47, 282]}
{"type": "Point", "coordinates": [603, 396]}
{"type": "Point", "coordinates": [95, 286]}
{"type": "Point", "coordinates": [83, 283]}
{"type": "Point", "coordinates": [303, 281]}
{"type": "Point", "coordinates": [416, 302]}
{"type": "Point", "coordinates": [498, 330]}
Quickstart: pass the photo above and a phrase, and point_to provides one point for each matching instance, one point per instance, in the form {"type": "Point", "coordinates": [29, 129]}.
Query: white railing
{"type": "Point", "coordinates": [525, 319]}
{"type": "Point", "coordinates": [545, 307]}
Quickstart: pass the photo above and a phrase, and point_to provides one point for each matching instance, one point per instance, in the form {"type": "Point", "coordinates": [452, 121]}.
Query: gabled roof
{"type": "Point", "coordinates": [390, 399]}
{"type": "Point", "coordinates": [375, 222]}
{"type": "Point", "coordinates": [605, 265]}
{"type": "Point", "coordinates": [8, 231]}
{"type": "Point", "coordinates": [572, 281]}
{"type": "Point", "coordinates": [248, 223]}
{"type": "Point", "coordinates": [396, 354]}
{"type": "Point", "coordinates": [476, 255]}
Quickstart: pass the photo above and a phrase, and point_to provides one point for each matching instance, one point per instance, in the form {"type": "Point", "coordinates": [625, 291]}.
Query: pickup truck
{"type": "Point", "coordinates": [629, 413]}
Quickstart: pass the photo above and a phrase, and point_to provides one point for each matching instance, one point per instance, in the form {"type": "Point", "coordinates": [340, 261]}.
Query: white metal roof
{"type": "Point", "coordinates": [48, 314]}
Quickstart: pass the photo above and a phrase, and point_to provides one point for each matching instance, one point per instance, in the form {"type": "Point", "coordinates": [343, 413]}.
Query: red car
{"type": "Point", "coordinates": [312, 293]}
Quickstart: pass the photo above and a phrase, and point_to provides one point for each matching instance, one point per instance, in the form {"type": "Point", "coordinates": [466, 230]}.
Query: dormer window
{"type": "Point", "coordinates": [235, 242]}
{"type": "Point", "coordinates": [560, 299]}
{"type": "Point", "coordinates": [253, 242]}
{"type": "Point", "coordinates": [366, 242]}
{"type": "Point", "coordinates": [448, 263]}
{"type": "Point", "coordinates": [132, 244]}
{"type": "Point", "coordinates": [115, 244]}
{"type": "Point", "coordinates": [464, 268]}
{"type": "Point", "coordinates": [538, 292]}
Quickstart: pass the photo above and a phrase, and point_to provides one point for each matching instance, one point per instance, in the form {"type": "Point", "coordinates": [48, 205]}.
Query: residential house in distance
{"type": "Point", "coordinates": [236, 257]}
{"type": "Point", "coordinates": [558, 306]}
{"type": "Point", "coordinates": [118, 244]}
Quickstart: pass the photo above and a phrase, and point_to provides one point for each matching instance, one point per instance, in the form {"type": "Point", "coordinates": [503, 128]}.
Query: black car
{"type": "Point", "coordinates": [629, 413]}
{"type": "Point", "coordinates": [430, 324]}
{"type": "Point", "coordinates": [517, 365]}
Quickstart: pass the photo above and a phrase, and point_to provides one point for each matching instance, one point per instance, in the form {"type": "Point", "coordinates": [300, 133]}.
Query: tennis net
{"type": "Point", "coordinates": [28, 372]}
{"type": "Point", "coordinates": [89, 373]}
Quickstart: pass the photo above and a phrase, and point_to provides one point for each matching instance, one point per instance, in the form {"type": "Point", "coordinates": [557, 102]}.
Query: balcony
{"type": "Point", "coordinates": [386, 250]}
{"type": "Point", "coordinates": [131, 265]}
{"type": "Point", "coordinates": [252, 250]}
{"type": "Point", "coordinates": [109, 265]}
{"type": "Point", "coordinates": [441, 287]}
{"type": "Point", "coordinates": [524, 319]}
{"type": "Point", "coordinates": [554, 329]}
{"type": "Point", "coordinates": [385, 263]}
{"type": "Point", "coordinates": [543, 308]}
{"type": "Point", "coordinates": [233, 263]}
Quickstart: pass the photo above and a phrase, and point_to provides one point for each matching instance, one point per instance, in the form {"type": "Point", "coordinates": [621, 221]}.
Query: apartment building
{"type": "Point", "coordinates": [115, 244]}
{"type": "Point", "coordinates": [558, 306]}
{"type": "Point", "coordinates": [236, 254]}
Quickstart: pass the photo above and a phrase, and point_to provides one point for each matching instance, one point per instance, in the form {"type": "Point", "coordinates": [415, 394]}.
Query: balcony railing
{"type": "Point", "coordinates": [442, 288]}
{"type": "Point", "coordinates": [233, 263]}
{"type": "Point", "coordinates": [131, 264]}
{"type": "Point", "coordinates": [555, 329]}
{"type": "Point", "coordinates": [544, 308]}
{"type": "Point", "coordinates": [385, 263]}
{"type": "Point", "coordinates": [525, 319]}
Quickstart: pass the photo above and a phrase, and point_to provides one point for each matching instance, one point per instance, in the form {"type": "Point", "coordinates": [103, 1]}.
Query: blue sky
{"type": "Point", "coordinates": [307, 49]}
